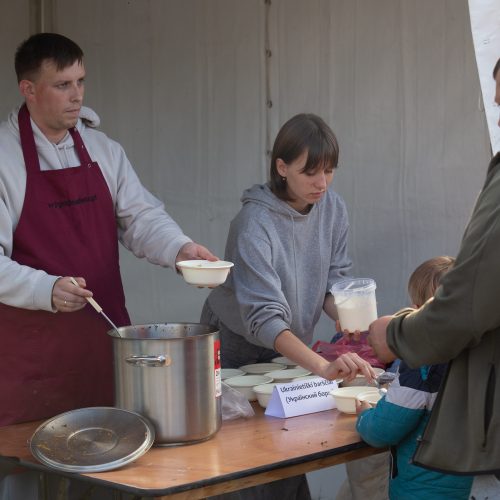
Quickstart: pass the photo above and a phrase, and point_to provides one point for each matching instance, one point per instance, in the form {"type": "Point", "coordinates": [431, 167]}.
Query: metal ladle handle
{"type": "Point", "coordinates": [96, 306]}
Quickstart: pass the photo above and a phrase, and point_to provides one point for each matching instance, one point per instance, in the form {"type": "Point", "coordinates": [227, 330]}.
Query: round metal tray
{"type": "Point", "coordinates": [93, 439]}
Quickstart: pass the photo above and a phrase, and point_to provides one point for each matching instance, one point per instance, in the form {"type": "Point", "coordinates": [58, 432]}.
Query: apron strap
{"type": "Point", "coordinates": [81, 150]}
{"type": "Point", "coordinates": [27, 140]}
{"type": "Point", "coordinates": [29, 147]}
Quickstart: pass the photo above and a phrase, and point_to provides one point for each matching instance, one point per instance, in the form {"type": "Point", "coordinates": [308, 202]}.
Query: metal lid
{"type": "Point", "coordinates": [93, 439]}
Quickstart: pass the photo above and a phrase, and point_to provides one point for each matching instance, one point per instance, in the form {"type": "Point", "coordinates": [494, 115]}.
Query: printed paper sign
{"type": "Point", "coordinates": [301, 397]}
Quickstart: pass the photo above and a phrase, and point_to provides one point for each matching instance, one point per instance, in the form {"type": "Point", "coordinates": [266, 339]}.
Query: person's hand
{"type": "Point", "coordinates": [347, 366]}
{"type": "Point", "coordinates": [67, 297]}
{"type": "Point", "coordinates": [356, 335]}
{"type": "Point", "coordinates": [361, 406]}
{"type": "Point", "coordinates": [377, 339]}
{"type": "Point", "coordinates": [193, 251]}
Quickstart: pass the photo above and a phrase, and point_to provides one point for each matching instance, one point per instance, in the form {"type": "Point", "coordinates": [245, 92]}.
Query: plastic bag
{"type": "Point", "coordinates": [234, 404]}
{"type": "Point", "coordinates": [347, 344]}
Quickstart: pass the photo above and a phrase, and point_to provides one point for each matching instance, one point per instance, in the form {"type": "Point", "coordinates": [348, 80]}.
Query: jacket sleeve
{"type": "Point", "coordinates": [465, 306]}
{"type": "Point", "coordinates": [144, 227]}
{"type": "Point", "coordinates": [398, 413]}
{"type": "Point", "coordinates": [20, 286]}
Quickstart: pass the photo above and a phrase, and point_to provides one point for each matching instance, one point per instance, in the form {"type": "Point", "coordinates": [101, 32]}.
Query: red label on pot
{"type": "Point", "coordinates": [218, 382]}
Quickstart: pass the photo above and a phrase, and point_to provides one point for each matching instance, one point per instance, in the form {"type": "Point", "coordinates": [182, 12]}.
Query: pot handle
{"type": "Point", "coordinates": [146, 360]}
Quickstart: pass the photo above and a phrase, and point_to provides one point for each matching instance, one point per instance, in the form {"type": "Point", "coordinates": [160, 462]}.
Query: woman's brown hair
{"type": "Point", "coordinates": [304, 132]}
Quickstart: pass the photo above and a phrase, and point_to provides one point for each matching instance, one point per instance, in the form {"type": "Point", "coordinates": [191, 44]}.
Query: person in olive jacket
{"type": "Point", "coordinates": [461, 324]}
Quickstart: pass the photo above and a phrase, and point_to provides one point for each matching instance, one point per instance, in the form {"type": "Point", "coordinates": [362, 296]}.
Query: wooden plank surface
{"type": "Point", "coordinates": [243, 453]}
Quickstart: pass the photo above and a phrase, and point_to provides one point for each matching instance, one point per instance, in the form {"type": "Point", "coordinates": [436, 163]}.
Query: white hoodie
{"type": "Point", "coordinates": [143, 226]}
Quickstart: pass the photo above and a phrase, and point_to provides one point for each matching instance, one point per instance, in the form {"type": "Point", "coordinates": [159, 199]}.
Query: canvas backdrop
{"type": "Point", "coordinates": [196, 90]}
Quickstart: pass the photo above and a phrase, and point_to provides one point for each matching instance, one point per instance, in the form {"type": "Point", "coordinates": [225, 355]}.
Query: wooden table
{"type": "Point", "coordinates": [245, 452]}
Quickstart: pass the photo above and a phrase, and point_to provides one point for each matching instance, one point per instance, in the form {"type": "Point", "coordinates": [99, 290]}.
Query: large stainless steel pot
{"type": "Point", "coordinates": [170, 373]}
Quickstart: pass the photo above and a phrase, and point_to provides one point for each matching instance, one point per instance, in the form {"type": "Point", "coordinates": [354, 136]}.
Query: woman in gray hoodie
{"type": "Point", "coordinates": [289, 245]}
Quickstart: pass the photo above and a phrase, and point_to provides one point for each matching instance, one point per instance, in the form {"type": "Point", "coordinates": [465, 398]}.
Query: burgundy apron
{"type": "Point", "coordinates": [54, 362]}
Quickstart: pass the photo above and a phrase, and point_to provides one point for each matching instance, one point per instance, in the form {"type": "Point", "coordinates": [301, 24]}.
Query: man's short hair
{"type": "Point", "coordinates": [45, 46]}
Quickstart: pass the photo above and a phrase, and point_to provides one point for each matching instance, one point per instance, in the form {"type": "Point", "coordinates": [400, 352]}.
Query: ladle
{"type": "Point", "coordinates": [97, 307]}
{"type": "Point", "coordinates": [384, 379]}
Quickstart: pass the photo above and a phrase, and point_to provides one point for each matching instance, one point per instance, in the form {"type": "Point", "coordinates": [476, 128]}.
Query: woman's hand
{"type": "Point", "coordinates": [356, 335]}
{"type": "Point", "coordinates": [347, 366]}
{"type": "Point", "coordinates": [67, 297]}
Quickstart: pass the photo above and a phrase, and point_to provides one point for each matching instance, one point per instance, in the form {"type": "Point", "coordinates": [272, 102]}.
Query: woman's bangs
{"type": "Point", "coordinates": [321, 153]}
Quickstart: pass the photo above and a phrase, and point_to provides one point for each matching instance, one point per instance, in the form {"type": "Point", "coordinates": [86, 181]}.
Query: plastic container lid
{"type": "Point", "coordinates": [354, 286]}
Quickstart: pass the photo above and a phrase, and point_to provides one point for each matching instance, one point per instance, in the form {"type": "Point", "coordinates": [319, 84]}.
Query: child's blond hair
{"type": "Point", "coordinates": [425, 279]}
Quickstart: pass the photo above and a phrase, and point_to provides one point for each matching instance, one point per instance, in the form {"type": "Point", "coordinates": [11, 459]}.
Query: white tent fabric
{"type": "Point", "coordinates": [184, 85]}
{"type": "Point", "coordinates": [485, 24]}
{"type": "Point", "coordinates": [189, 90]}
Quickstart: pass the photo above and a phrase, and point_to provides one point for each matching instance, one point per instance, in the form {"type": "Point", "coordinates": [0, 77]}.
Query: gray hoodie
{"type": "Point", "coordinates": [284, 265]}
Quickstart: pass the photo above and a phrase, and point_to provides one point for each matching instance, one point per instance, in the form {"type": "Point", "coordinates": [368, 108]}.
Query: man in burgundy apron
{"type": "Point", "coordinates": [67, 227]}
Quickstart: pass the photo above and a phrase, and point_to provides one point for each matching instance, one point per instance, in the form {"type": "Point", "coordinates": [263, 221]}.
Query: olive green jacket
{"type": "Point", "coordinates": [461, 324]}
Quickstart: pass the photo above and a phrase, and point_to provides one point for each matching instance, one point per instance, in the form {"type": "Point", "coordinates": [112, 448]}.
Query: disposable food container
{"type": "Point", "coordinates": [345, 397]}
{"type": "Point", "coordinates": [261, 368]}
{"type": "Point", "coordinates": [284, 376]}
{"type": "Point", "coordinates": [264, 393]}
{"type": "Point", "coordinates": [246, 383]}
{"type": "Point", "coordinates": [204, 272]}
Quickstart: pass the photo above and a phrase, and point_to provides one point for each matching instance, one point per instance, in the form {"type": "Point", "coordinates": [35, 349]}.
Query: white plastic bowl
{"type": "Point", "coordinates": [246, 383]}
{"type": "Point", "coordinates": [261, 368]}
{"type": "Point", "coordinates": [204, 272]}
{"type": "Point", "coordinates": [284, 361]}
{"type": "Point", "coordinates": [345, 397]}
{"type": "Point", "coordinates": [361, 379]}
{"type": "Point", "coordinates": [264, 392]}
{"type": "Point", "coordinates": [230, 372]}
{"type": "Point", "coordinates": [284, 376]}
{"type": "Point", "coordinates": [370, 397]}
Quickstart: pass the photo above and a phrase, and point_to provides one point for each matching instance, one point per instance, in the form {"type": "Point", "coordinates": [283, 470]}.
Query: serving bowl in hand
{"type": "Point", "coordinates": [246, 383]}
{"type": "Point", "coordinates": [205, 272]}
{"type": "Point", "coordinates": [345, 397]}
{"type": "Point", "coordinates": [371, 397]}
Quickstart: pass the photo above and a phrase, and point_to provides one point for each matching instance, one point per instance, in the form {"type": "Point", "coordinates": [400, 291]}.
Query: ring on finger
{"type": "Point", "coordinates": [65, 303]}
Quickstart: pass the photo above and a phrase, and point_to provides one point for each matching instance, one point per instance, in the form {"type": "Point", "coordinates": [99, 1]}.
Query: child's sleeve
{"type": "Point", "coordinates": [397, 414]}
{"type": "Point", "coordinates": [387, 424]}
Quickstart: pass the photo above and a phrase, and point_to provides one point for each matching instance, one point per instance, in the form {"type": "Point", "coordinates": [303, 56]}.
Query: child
{"type": "Point", "coordinates": [401, 415]}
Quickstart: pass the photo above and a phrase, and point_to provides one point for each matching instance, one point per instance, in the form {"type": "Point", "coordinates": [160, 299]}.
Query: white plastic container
{"type": "Point", "coordinates": [246, 383]}
{"type": "Point", "coordinates": [264, 393]}
{"type": "Point", "coordinates": [285, 376]}
{"type": "Point", "coordinates": [203, 273]}
{"type": "Point", "coordinates": [370, 397]}
{"type": "Point", "coordinates": [345, 397]}
{"type": "Point", "coordinates": [230, 372]}
{"type": "Point", "coordinates": [356, 303]}
{"type": "Point", "coordinates": [261, 368]}
{"type": "Point", "coordinates": [285, 361]}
